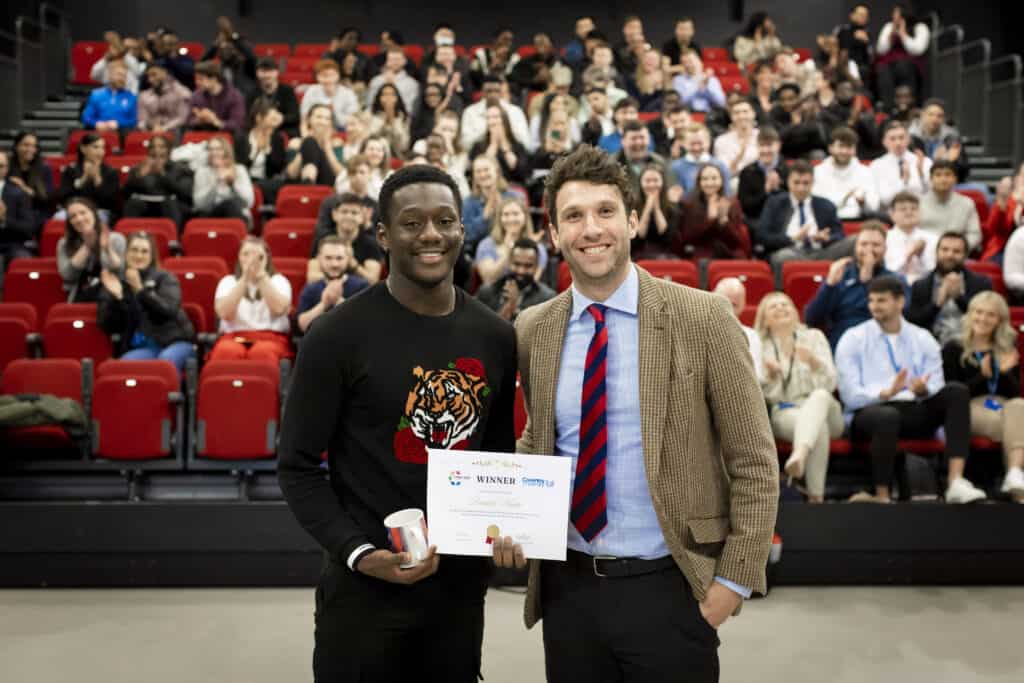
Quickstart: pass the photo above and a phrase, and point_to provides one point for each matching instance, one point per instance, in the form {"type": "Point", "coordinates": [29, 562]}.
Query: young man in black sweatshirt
{"type": "Point", "coordinates": [409, 364]}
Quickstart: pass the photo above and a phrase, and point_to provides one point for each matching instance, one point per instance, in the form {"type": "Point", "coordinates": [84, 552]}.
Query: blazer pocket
{"type": "Point", "coordinates": [708, 530]}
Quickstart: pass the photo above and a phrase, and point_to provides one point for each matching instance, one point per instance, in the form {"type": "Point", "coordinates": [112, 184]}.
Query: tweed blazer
{"type": "Point", "coordinates": [709, 454]}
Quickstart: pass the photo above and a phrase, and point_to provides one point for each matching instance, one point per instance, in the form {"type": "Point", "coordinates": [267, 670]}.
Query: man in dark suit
{"type": "Point", "coordinates": [764, 178]}
{"type": "Point", "coordinates": [939, 300]}
{"type": "Point", "coordinates": [795, 226]}
{"type": "Point", "coordinates": [15, 216]}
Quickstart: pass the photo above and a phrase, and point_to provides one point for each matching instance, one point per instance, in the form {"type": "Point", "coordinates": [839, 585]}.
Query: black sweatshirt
{"type": "Point", "coordinates": [969, 373]}
{"type": "Point", "coordinates": [374, 385]}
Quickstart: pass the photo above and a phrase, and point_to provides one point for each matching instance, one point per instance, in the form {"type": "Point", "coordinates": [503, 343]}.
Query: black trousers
{"type": "Point", "coordinates": [369, 631]}
{"type": "Point", "coordinates": [885, 424]}
{"type": "Point", "coordinates": [637, 629]}
{"type": "Point", "coordinates": [169, 208]}
{"type": "Point", "coordinates": [890, 76]}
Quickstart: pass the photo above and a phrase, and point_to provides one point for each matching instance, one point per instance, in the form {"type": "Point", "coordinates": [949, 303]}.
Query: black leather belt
{"type": "Point", "coordinates": [616, 567]}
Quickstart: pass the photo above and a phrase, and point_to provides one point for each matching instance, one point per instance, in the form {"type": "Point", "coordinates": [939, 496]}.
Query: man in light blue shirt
{"type": "Point", "coordinates": [892, 387]}
{"type": "Point", "coordinates": [699, 90]}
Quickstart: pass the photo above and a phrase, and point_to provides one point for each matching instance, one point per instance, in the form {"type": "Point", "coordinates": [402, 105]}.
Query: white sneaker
{"type": "Point", "coordinates": [1014, 481]}
{"type": "Point", "coordinates": [962, 491]}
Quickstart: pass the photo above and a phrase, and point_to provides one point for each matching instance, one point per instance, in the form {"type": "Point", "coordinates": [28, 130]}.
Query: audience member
{"type": "Point", "coordinates": [28, 172]}
{"type": "Point", "coordinates": [557, 142]}
{"type": "Point", "coordinates": [237, 61]}
{"type": "Point", "coordinates": [1005, 215]}
{"type": "Point", "coordinates": [489, 187]}
{"type": "Point", "coordinates": [559, 90]}
{"type": "Point", "coordinates": [799, 379]}
{"type": "Point", "coordinates": [853, 111]}
{"type": "Point", "coordinates": [499, 58]}
{"type": "Point", "coordinates": [909, 250]}
{"type": "Point", "coordinates": [262, 149]}
{"type": "Point", "coordinates": [757, 41]}
{"type": "Point", "coordinates": [167, 52]}
{"type": "Point", "coordinates": [987, 362]}
{"type": "Point", "coordinates": [899, 169]}
{"type": "Point", "coordinates": [735, 293]}
{"type": "Point", "coordinates": [17, 223]}
{"type": "Point", "coordinates": [519, 288]}
{"type": "Point", "coordinates": [1013, 267]}
{"type": "Point", "coordinates": [356, 133]}
{"type": "Point", "coordinates": [698, 144]}
{"type": "Point", "coordinates": [390, 118]}
{"type": "Point", "coordinates": [797, 225]}
{"type": "Point", "coordinates": [738, 148]}
{"type": "Point", "coordinates": [358, 180]}
{"type": "Point", "coordinates": [347, 224]}
{"type": "Point", "coordinates": [158, 187]}
{"type": "Point", "coordinates": [317, 156]}
{"type": "Point", "coordinates": [789, 70]}
{"type": "Point", "coordinates": [112, 107]}
{"type": "Point", "coordinates": [681, 41]}
{"type": "Point", "coordinates": [842, 299]}
{"type": "Point", "coordinates": [216, 104]}
{"type": "Point", "coordinates": [659, 216]}
{"type": "Point", "coordinates": [118, 53]}
{"type": "Point", "coordinates": [712, 223]}
{"type": "Point", "coordinates": [222, 188]}
{"type": "Point", "coordinates": [142, 309]}
{"type": "Point", "coordinates": [844, 181]}
{"type": "Point", "coordinates": [165, 105]}
{"type": "Point", "coordinates": [668, 131]}
{"type": "Point", "coordinates": [394, 72]}
{"type": "Point", "coordinates": [940, 141]}
{"type": "Point", "coordinates": [636, 155]}
{"type": "Point", "coordinates": [629, 51]}
{"type": "Point", "coordinates": [800, 123]}
{"type": "Point", "coordinates": [328, 90]}
{"type": "Point", "coordinates": [764, 178]}
{"type": "Point", "coordinates": [698, 87]}
{"type": "Point", "coordinates": [343, 48]}
{"type": "Point", "coordinates": [338, 283]}
{"type": "Point", "coordinates": [575, 51]}
{"type": "Point", "coordinates": [475, 120]}
{"type": "Point", "coordinates": [91, 178]}
{"type": "Point", "coordinates": [554, 104]}
{"type": "Point", "coordinates": [762, 91]}
{"type": "Point", "coordinates": [252, 305]}
{"type": "Point", "coordinates": [433, 101]}
{"type": "Point", "coordinates": [834, 63]}
{"type": "Point", "coordinates": [626, 110]}
{"type": "Point", "coordinates": [892, 385]}
{"type": "Point", "coordinates": [904, 107]}
{"type": "Point", "coordinates": [900, 57]}
{"type": "Point", "coordinates": [500, 144]}
{"type": "Point", "coordinates": [943, 210]}
{"type": "Point", "coordinates": [87, 249]}
{"type": "Point", "coordinates": [532, 73]}
{"type": "Point", "coordinates": [855, 38]}
{"type": "Point", "coordinates": [595, 117]}
{"type": "Point", "coordinates": [494, 253]}
{"type": "Point", "coordinates": [378, 155]}
{"type": "Point", "coordinates": [939, 299]}
{"type": "Point", "coordinates": [281, 95]}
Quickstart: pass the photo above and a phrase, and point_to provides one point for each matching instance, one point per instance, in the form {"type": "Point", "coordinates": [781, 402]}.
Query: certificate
{"type": "Point", "coordinates": [475, 497]}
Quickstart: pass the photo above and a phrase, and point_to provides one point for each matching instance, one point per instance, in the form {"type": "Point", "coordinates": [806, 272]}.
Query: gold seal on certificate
{"type": "Point", "coordinates": [475, 497]}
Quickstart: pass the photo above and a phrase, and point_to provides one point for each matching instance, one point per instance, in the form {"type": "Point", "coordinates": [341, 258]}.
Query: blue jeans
{"type": "Point", "coordinates": [177, 353]}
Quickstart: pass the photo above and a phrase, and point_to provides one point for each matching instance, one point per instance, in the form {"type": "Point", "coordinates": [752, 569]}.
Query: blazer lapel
{"type": "Point", "coordinates": [545, 364]}
{"type": "Point", "coordinates": [655, 367]}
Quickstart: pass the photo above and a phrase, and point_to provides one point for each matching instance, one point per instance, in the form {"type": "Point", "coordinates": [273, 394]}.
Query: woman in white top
{"type": "Point", "coordinates": [494, 253]}
{"type": "Point", "coordinates": [799, 378]}
{"type": "Point", "coordinates": [900, 58]}
{"type": "Point", "coordinates": [390, 119]}
{"type": "Point", "coordinates": [222, 188]}
{"type": "Point", "coordinates": [253, 306]}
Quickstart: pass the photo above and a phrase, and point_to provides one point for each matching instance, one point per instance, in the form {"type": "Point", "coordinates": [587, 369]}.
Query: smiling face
{"type": "Point", "coordinates": [742, 114]}
{"type": "Point", "coordinates": [950, 255]}
{"type": "Point", "coordinates": [696, 142]}
{"type": "Point", "coordinates": [27, 149]}
{"type": "Point", "coordinates": [374, 151]}
{"type": "Point", "coordinates": [895, 140]}
{"type": "Point", "coordinates": [768, 151]}
{"type": "Point", "coordinates": [347, 221]}
{"type": "Point", "coordinates": [799, 185]}
{"type": "Point", "coordinates": [423, 234]}
{"type": "Point", "coordinates": [513, 219]}
{"type": "Point", "coordinates": [593, 232]}
{"type": "Point", "coordinates": [885, 308]}
{"type": "Point", "coordinates": [779, 313]}
{"type": "Point", "coordinates": [710, 181]}
{"type": "Point", "coordinates": [81, 218]}
{"type": "Point", "coordinates": [842, 153]}
{"type": "Point", "coordinates": [494, 122]}
{"type": "Point", "coordinates": [870, 243]}
{"type": "Point", "coordinates": [651, 181]}
{"type": "Point", "coordinates": [985, 318]}
{"type": "Point", "coordinates": [485, 175]}
{"type": "Point", "coordinates": [321, 119]}
{"type": "Point", "coordinates": [94, 151]}
{"type": "Point", "coordinates": [943, 180]}
{"type": "Point", "coordinates": [138, 253]}
{"type": "Point", "coordinates": [388, 98]}
{"type": "Point", "coordinates": [333, 260]}
{"type": "Point", "coordinates": [905, 215]}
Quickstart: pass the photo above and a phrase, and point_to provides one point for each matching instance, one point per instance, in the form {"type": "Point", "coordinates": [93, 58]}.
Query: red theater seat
{"type": "Point", "coordinates": [221, 237]}
{"type": "Point", "coordinates": [53, 230]}
{"type": "Point", "coordinates": [295, 270]}
{"type": "Point", "coordinates": [277, 50]}
{"type": "Point", "coordinates": [71, 331]}
{"type": "Point", "coordinates": [301, 201]}
{"type": "Point", "coordinates": [223, 430]}
{"type": "Point", "coordinates": [288, 242]}
{"type": "Point", "coordinates": [801, 280]}
{"type": "Point", "coordinates": [680, 272]}
{"type": "Point", "coordinates": [990, 270]}
{"type": "Point", "coordinates": [111, 137]}
{"type": "Point", "coordinates": [58, 377]}
{"type": "Point", "coordinates": [180, 264]}
{"type": "Point", "coordinates": [198, 286]}
{"type": "Point", "coordinates": [756, 276]}
{"type": "Point", "coordinates": [738, 84]}
{"type": "Point", "coordinates": [980, 203]}
{"type": "Point", "coordinates": [715, 54]}
{"type": "Point", "coordinates": [135, 409]}
{"type": "Point", "coordinates": [17, 322]}
{"type": "Point", "coordinates": [311, 49]}
{"type": "Point", "coordinates": [163, 231]}
{"type": "Point", "coordinates": [137, 141]}
{"type": "Point", "coordinates": [85, 53]}
{"type": "Point", "coordinates": [42, 288]}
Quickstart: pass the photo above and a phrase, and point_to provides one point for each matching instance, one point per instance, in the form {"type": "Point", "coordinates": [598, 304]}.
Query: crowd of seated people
{"type": "Point", "coordinates": [758, 151]}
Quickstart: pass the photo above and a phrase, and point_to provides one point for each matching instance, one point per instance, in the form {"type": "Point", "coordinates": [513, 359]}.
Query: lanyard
{"type": "Point", "coordinates": [993, 381]}
{"type": "Point", "coordinates": [792, 360]}
{"type": "Point", "coordinates": [892, 354]}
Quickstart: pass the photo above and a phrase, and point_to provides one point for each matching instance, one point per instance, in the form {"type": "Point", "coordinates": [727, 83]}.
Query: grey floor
{"type": "Point", "coordinates": [935, 635]}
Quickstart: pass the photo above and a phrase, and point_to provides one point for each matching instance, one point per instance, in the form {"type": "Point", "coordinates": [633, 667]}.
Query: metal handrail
{"type": "Point", "coordinates": [1018, 68]}
{"type": "Point", "coordinates": [23, 21]}
{"type": "Point", "coordinates": [957, 30]}
{"type": "Point", "coordinates": [986, 52]}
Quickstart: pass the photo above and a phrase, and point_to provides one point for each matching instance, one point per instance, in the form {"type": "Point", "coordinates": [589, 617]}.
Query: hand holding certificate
{"type": "Point", "coordinates": [475, 499]}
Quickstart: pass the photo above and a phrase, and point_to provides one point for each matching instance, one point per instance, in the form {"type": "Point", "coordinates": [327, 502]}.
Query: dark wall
{"type": "Point", "coordinates": [316, 20]}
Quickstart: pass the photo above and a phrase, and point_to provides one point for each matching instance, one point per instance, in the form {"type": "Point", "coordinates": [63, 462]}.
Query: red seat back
{"type": "Point", "coordinates": [756, 276]}
{"type": "Point", "coordinates": [288, 243]}
{"type": "Point", "coordinates": [17, 320]}
{"type": "Point", "coordinates": [60, 377]}
{"type": "Point", "coordinates": [85, 53]}
{"type": "Point", "coordinates": [132, 416]}
{"type": "Point", "coordinates": [301, 201]}
{"type": "Point", "coordinates": [311, 49]}
{"type": "Point", "coordinates": [715, 54]}
{"type": "Point", "coordinates": [183, 264]}
{"type": "Point", "coordinates": [37, 287]}
{"type": "Point", "coordinates": [738, 84]}
{"type": "Point", "coordinates": [295, 270]}
{"type": "Point", "coordinates": [53, 230]}
{"type": "Point", "coordinates": [680, 272]}
{"type": "Point", "coordinates": [71, 331]}
{"type": "Point", "coordinates": [198, 286]}
{"type": "Point", "coordinates": [137, 141]}
{"type": "Point", "coordinates": [276, 50]}
{"type": "Point", "coordinates": [224, 245]}
{"type": "Point", "coordinates": [111, 137]}
{"type": "Point", "coordinates": [992, 271]}
{"type": "Point", "coordinates": [197, 316]}
{"type": "Point", "coordinates": [162, 369]}
{"type": "Point", "coordinates": [226, 432]}
{"type": "Point", "coordinates": [980, 203]}
{"type": "Point", "coordinates": [163, 231]}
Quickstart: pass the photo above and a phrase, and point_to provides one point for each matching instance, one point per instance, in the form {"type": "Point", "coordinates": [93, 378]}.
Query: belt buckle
{"type": "Point", "coordinates": [595, 558]}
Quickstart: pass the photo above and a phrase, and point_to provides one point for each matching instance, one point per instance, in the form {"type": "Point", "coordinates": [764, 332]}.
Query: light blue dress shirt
{"type": "Point", "coordinates": [866, 368]}
{"type": "Point", "coordinates": [633, 529]}
{"type": "Point", "coordinates": [699, 98]}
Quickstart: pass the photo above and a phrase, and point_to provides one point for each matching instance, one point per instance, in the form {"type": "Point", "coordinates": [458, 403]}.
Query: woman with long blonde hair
{"type": "Point", "coordinates": [494, 254]}
{"type": "Point", "coordinates": [986, 360]}
{"type": "Point", "coordinates": [799, 378]}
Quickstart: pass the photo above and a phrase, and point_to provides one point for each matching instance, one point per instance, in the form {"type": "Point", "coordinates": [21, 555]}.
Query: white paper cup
{"type": "Point", "coordinates": [407, 533]}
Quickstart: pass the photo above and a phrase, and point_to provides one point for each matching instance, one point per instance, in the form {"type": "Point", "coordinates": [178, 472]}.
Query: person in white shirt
{"type": "Point", "coordinates": [474, 118]}
{"type": "Point", "coordinates": [943, 210]}
{"type": "Point", "coordinates": [328, 90]}
{"type": "Point", "coordinates": [899, 169]}
{"type": "Point", "coordinates": [734, 290]}
{"type": "Point", "coordinates": [909, 250]}
{"type": "Point", "coordinates": [738, 147]}
{"type": "Point", "coordinates": [843, 180]}
{"type": "Point", "coordinates": [902, 43]}
{"type": "Point", "coordinates": [394, 72]}
{"type": "Point", "coordinates": [892, 384]}
{"type": "Point", "coordinates": [1013, 267]}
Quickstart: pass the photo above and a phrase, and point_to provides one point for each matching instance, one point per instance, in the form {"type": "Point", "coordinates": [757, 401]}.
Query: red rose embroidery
{"type": "Point", "coordinates": [471, 366]}
{"type": "Point", "coordinates": [409, 447]}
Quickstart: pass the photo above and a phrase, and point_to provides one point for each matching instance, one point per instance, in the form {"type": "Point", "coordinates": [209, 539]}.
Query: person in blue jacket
{"type": "Point", "coordinates": [112, 107]}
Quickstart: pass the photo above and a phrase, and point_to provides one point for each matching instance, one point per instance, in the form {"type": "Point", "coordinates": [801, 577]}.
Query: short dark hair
{"type": "Point", "coordinates": [949, 235]}
{"type": "Point", "coordinates": [942, 165]}
{"type": "Point", "coordinates": [934, 102]}
{"type": "Point", "coordinates": [589, 164]}
{"type": "Point", "coordinates": [596, 34]}
{"type": "Point", "coordinates": [788, 86]}
{"type": "Point", "coordinates": [345, 30]}
{"type": "Point", "coordinates": [626, 102]}
{"type": "Point", "coordinates": [905, 197]}
{"type": "Point", "coordinates": [886, 284]}
{"type": "Point", "coordinates": [210, 69]}
{"type": "Point", "coordinates": [492, 78]}
{"type": "Point", "coordinates": [761, 65]}
{"type": "Point", "coordinates": [632, 126]}
{"type": "Point", "coordinates": [677, 108]}
{"type": "Point", "coordinates": [349, 198]}
{"type": "Point", "coordinates": [396, 37]}
{"type": "Point", "coordinates": [329, 240]}
{"type": "Point", "coordinates": [526, 243]}
{"type": "Point", "coordinates": [265, 63]}
{"type": "Point", "coordinates": [767, 134]}
{"type": "Point", "coordinates": [873, 225]}
{"type": "Point", "coordinates": [845, 135]}
{"type": "Point", "coordinates": [892, 123]}
{"type": "Point", "coordinates": [800, 167]}
{"type": "Point", "coordinates": [412, 175]}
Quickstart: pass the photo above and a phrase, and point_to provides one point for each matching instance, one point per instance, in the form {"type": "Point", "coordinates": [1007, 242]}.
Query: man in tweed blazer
{"type": "Point", "coordinates": [680, 447]}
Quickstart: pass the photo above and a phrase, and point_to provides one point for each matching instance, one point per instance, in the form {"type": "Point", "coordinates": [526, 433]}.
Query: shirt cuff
{"type": "Point", "coordinates": [358, 553]}
{"type": "Point", "coordinates": [735, 587]}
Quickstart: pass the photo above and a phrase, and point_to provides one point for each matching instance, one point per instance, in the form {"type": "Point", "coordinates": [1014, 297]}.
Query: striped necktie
{"type": "Point", "coordinates": [589, 510]}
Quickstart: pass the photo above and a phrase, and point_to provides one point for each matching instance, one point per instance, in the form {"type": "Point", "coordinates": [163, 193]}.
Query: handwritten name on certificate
{"type": "Point", "coordinates": [475, 497]}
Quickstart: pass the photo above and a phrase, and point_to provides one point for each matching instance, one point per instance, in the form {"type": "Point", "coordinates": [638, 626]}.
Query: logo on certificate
{"type": "Point", "coordinates": [455, 478]}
